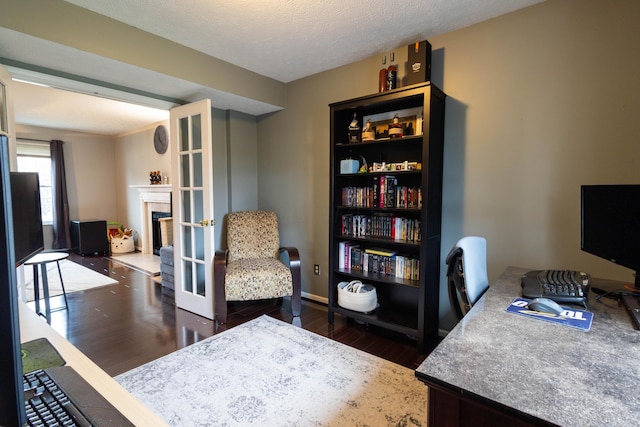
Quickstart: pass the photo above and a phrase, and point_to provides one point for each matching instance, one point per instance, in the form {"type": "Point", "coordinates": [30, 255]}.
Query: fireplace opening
{"type": "Point", "coordinates": [155, 229]}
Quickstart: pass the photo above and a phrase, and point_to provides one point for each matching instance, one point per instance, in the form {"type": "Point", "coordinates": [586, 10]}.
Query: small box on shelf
{"type": "Point", "coordinates": [349, 166]}
{"type": "Point", "coordinates": [419, 63]}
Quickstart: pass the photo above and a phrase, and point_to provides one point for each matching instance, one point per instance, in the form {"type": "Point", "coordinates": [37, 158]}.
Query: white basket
{"type": "Point", "coordinates": [122, 245]}
{"type": "Point", "coordinates": [357, 296]}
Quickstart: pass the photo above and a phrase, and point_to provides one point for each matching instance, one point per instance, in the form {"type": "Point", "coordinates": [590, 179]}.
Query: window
{"type": "Point", "coordinates": [36, 157]}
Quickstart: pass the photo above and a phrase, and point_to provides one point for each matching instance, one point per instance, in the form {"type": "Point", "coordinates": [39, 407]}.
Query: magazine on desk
{"type": "Point", "coordinates": [571, 317]}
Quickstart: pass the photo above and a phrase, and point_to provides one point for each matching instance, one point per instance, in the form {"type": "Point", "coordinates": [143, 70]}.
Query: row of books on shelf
{"type": "Point", "coordinates": [380, 261]}
{"type": "Point", "coordinates": [381, 226]}
{"type": "Point", "coordinates": [384, 193]}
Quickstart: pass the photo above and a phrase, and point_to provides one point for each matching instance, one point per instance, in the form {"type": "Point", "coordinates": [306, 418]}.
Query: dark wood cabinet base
{"type": "Point", "coordinates": [449, 409]}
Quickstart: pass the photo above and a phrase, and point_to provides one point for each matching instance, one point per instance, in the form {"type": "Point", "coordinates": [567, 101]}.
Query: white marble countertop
{"type": "Point", "coordinates": [559, 374]}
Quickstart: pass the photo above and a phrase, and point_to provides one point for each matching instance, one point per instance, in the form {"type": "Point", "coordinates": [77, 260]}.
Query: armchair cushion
{"type": "Point", "coordinates": [257, 278]}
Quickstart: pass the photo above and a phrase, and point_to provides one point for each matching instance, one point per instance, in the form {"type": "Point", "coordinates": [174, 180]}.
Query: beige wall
{"type": "Point", "coordinates": [541, 101]}
{"type": "Point", "coordinates": [243, 161]}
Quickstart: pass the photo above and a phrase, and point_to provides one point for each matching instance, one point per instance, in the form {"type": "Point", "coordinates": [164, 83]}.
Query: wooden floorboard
{"type": "Point", "coordinates": [128, 324]}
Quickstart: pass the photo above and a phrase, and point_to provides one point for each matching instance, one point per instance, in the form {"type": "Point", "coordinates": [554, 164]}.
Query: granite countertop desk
{"type": "Point", "coordinates": [498, 368]}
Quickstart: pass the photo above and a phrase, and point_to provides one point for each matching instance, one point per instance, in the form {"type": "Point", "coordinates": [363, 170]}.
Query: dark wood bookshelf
{"type": "Point", "coordinates": [405, 305]}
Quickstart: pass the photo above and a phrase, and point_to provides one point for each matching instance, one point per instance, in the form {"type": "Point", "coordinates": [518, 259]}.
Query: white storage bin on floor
{"type": "Point", "coordinates": [357, 296]}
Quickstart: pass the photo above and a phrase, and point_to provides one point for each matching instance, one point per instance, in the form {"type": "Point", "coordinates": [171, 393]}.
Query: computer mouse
{"type": "Point", "coordinates": [545, 305]}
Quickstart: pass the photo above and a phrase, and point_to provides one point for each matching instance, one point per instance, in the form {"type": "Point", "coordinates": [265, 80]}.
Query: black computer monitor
{"type": "Point", "coordinates": [611, 224]}
{"type": "Point", "coordinates": [28, 233]}
{"type": "Point", "coordinates": [12, 410]}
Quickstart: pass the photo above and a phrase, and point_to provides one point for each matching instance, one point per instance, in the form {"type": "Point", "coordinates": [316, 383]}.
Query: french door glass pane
{"type": "Point", "coordinates": [199, 241]}
{"type": "Point", "coordinates": [198, 206]}
{"type": "Point", "coordinates": [196, 133]}
{"type": "Point", "coordinates": [184, 160]}
{"type": "Point", "coordinates": [187, 279]}
{"type": "Point", "coordinates": [197, 170]}
{"type": "Point", "coordinates": [186, 206]}
{"type": "Point", "coordinates": [183, 133]}
{"type": "Point", "coordinates": [200, 288]}
{"type": "Point", "coordinates": [186, 241]}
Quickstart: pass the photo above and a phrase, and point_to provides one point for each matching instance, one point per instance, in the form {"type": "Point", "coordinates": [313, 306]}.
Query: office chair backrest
{"type": "Point", "coordinates": [467, 273]}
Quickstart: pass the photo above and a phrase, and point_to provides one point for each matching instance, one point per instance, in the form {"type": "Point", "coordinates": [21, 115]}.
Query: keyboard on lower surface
{"type": "Point", "coordinates": [59, 396]}
{"type": "Point", "coordinates": [562, 286]}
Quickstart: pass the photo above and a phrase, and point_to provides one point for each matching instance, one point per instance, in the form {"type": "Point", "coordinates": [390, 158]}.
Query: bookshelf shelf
{"type": "Point", "coordinates": [378, 209]}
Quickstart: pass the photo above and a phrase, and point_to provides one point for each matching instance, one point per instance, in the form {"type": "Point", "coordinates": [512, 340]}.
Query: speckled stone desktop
{"type": "Point", "coordinates": [562, 375]}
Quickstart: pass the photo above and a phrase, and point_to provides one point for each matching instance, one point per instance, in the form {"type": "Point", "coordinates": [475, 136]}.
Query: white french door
{"type": "Point", "coordinates": [192, 190]}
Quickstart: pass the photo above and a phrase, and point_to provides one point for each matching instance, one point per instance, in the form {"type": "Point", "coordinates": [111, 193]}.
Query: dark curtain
{"type": "Point", "coordinates": [61, 232]}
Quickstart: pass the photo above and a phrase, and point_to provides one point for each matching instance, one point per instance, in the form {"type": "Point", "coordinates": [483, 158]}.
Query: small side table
{"type": "Point", "coordinates": [42, 259]}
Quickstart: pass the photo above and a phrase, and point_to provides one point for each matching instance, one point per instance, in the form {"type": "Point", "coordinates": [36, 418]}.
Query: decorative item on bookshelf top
{"type": "Point", "coordinates": [382, 75]}
{"type": "Point", "coordinates": [418, 67]}
{"type": "Point", "coordinates": [419, 63]}
{"type": "Point", "coordinates": [392, 73]}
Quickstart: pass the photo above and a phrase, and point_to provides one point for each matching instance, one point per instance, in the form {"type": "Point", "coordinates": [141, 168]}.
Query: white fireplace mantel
{"type": "Point", "coordinates": [153, 198]}
{"type": "Point", "coordinates": [158, 188]}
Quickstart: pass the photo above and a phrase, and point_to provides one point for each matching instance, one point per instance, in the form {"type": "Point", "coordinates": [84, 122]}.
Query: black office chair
{"type": "Point", "coordinates": [467, 273]}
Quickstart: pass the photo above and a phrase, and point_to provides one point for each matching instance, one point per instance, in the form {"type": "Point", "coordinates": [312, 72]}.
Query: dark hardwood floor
{"type": "Point", "coordinates": [125, 325]}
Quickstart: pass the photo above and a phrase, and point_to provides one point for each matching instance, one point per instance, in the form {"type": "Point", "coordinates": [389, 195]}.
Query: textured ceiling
{"type": "Point", "coordinates": [290, 39]}
{"type": "Point", "coordinates": [281, 39]}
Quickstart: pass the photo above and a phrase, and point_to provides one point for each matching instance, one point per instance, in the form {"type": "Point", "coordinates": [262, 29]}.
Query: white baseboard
{"type": "Point", "coordinates": [316, 298]}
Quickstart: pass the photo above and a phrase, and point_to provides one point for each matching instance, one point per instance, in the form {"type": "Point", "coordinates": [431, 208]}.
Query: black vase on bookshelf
{"type": "Point", "coordinates": [385, 223]}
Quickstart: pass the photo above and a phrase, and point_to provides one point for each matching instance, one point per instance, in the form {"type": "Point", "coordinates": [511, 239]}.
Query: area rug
{"type": "Point", "coordinates": [75, 276]}
{"type": "Point", "coordinates": [269, 373]}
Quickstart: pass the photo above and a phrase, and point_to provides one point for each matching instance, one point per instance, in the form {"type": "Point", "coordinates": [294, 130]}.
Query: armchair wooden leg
{"type": "Point", "coordinates": [219, 293]}
{"type": "Point", "coordinates": [294, 265]}
{"type": "Point", "coordinates": [220, 313]}
{"type": "Point", "coordinates": [296, 303]}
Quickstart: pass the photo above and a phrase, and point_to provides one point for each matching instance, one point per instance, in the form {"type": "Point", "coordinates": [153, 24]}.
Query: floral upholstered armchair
{"type": "Point", "coordinates": [250, 268]}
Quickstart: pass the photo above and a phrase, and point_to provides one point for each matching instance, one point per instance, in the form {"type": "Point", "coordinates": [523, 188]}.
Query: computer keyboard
{"type": "Point", "coordinates": [562, 286]}
{"type": "Point", "coordinates": [47, 405]}
{"type": "Point", "coordinates": [59, 396]}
